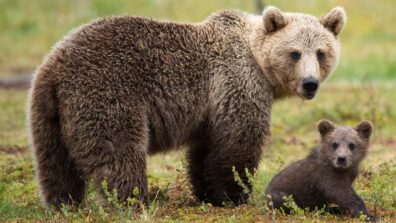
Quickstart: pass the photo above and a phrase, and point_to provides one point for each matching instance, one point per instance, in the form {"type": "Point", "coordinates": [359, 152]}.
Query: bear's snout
{"type": "Point", "coordinates": [309, 86]}
{"type": "Point", "coordinates": [341, 160]}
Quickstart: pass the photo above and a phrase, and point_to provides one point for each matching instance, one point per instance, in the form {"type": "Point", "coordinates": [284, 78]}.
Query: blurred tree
{"type": "Point", "coordinates": [259, 5]}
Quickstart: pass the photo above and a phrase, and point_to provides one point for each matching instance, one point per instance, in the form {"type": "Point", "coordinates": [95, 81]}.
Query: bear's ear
{"type": "Point", "coordinates": [335, 20]}
{"type": "Point", "coordinates": [273, 19]}
{"type": "Point", "coordinates": [325, 127]}
{"type": "Point", "coordinates": [364, 129]}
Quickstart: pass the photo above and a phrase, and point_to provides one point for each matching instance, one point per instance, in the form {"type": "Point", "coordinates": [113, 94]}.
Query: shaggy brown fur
{"type": "Point", "coordinates": [120, 88]}
{"type": "Point", "coordinates": [326, 175]}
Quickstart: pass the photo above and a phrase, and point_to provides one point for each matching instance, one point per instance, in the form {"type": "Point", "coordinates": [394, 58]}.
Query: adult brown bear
{"type": "Point", "coordinates": [120, 88]}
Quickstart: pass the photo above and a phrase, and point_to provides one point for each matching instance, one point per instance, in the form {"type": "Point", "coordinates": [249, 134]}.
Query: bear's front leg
{"type": "Point", "coordinates": [349, 201]}
{"type": "Point", "coordinates": [235, 147]}
{"type": "Point", "coordinates": [219, 176]}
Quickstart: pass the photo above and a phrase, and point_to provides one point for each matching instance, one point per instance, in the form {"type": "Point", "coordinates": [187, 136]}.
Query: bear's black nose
{"type": "Point", "coordinates": [310, 84]}
{"type": "Point", "coordinates": [341, 159]}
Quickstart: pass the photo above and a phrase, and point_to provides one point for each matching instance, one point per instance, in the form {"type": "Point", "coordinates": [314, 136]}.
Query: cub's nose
{"type": "Point", "coordinates": [341, 159]}
{"type": "Point", "coordinates": [310, 84]}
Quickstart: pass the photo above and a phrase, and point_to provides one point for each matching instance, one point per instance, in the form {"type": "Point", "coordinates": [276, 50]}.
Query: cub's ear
{"type": "Point", "coordinates": [335, 20]}
{"type": "Point", "coordinates": [273, 19]}
{"type": "Point", "coordinates": [364, 129]}
{"type": "Point", "coordinates": [325, 127]}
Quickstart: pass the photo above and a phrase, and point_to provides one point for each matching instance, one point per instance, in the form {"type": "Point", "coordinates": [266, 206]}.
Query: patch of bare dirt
{"type": "Point", "coordinates": [293, 141]}
{"type": "Point", "coordinates": [15, 82]}
{"type": "Point", "coordinates": [389, 142]}
{"type": "Point", "coordinates": [13, 149]}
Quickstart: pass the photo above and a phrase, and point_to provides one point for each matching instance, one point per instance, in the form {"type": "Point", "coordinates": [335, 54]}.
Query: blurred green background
{"type": "Point", "coordinates": [29, 28]}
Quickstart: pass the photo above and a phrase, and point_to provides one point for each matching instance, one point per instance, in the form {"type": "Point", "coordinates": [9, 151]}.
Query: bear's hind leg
{"type": "Point", "coordinates": [60, 182]}
{"type": "Point", "coordinates": [127, 175]}
{"type": "Point", "coordinates": [116, 156]}
{"type": "Point", "coordinates": [117, 167]}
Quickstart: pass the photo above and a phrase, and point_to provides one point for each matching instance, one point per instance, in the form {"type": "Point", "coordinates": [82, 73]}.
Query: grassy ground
{"type": "Point", "coordinates": [361, 88]}
{"type": "Point", "coordinates": [29, 28]}
{"type": "Point", "coordinates": [294, 133]}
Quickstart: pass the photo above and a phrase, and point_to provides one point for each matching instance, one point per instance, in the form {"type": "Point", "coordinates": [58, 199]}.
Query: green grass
{"type": "Point", "coordinates": [28, 29]}
{"type": "Point", "coordinates": [294, 133]}
{"type": "Point", "coordinates": [361, 88]}
{"type": "Point", "coordinates": [12, 118]}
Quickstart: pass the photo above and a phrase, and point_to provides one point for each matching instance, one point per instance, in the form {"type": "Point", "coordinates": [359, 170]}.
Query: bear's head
{"type": "Point", "coordinates": [296, 52]}
{"type": "Point", "coordinates": [344, 147]}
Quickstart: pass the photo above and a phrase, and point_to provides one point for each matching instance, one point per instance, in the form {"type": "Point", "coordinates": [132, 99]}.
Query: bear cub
{"type": "Point", "coordinates": [326, 175]}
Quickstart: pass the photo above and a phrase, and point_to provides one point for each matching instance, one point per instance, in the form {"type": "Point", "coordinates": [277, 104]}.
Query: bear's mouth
{"type": "Point", "coordinates": [309, 95]}
{"type": "Point", "coordinates": [340, 165]}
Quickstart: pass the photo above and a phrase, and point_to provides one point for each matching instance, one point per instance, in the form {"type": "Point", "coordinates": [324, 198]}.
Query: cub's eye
{"type": "Point", "coordinates": [351, 146]}
{"type": "Point", "coordinates": [334, 145]}
{"type": "Point", "coordinates": [295, 55]}
{"type": "Point", "coordinates": [320, 55]}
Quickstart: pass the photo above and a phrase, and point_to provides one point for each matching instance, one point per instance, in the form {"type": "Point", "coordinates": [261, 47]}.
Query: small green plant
{"type": "Point", "coordinates": [130, 208]}
{"type": "Point", "coordinates": [292, 206]}
{"type": "Point", "coordinates": [250, 179]}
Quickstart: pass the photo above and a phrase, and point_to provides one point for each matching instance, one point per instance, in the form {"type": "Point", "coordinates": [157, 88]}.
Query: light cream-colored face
{"type": "Point", "coordinates": [344, 147]}
{"type": "Point", "coordinates": [300, 51]}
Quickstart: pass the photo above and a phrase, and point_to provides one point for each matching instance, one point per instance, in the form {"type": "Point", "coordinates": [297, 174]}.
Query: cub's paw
{"type": "Point", "coordinates": [372, 218]}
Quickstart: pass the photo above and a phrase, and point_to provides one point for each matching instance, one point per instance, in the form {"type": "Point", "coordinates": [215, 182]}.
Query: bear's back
{"type": "Point", "coordinates": [127, 61]}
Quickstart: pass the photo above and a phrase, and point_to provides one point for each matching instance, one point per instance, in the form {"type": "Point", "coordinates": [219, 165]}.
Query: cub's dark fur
{"type": "Point", "coordinates": [325, 177]}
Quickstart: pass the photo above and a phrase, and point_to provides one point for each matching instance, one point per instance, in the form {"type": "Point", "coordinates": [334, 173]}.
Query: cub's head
{"type": "Point", "coordinates": [344, 147]}
{"type": "Point", "coordinates": [296, 51]}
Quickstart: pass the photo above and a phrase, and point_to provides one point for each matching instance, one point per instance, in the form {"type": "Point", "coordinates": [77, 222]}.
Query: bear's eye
{"type": "Point", "coordinates": [295, 55]}
{"type": "Point", "coordinates": [334, 145]}
{"type": "Point", "coordinates": [320, 55]}
{"type": "Point", "coordinates": [351, 146]}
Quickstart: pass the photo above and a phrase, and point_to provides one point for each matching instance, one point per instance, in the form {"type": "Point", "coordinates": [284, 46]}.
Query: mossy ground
{"type": "Point", "coordinates": [294, 133]}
